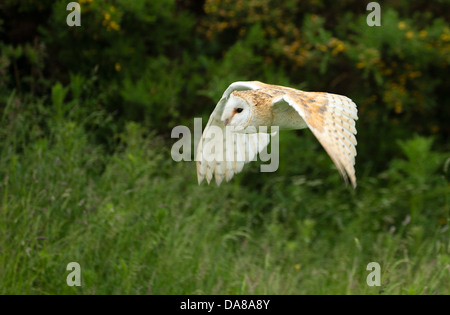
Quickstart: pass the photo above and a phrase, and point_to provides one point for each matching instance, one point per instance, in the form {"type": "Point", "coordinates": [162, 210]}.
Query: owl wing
{"type": "Point", "coordinates": [331, 119]}
{"type": "Point", "coordinates": [231, 150]}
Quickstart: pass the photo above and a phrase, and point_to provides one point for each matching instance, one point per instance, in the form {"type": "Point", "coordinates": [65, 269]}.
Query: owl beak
{"type": "Point", "coordinates": [226, 121]}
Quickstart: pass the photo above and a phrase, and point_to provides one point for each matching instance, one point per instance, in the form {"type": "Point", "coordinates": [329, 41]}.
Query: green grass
{"type": "Point", "coordinates": [138, 223]}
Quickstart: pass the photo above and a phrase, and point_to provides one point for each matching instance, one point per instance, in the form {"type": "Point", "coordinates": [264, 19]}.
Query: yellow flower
{"type": "Point", "coordinates": [339, 47]}
{"type": "Point", "coordinates": [401, 25]}
{"type": "Point", "coordinates": [114, 25]}
{"type": "Point", "coordinates": [360, 65]}
{"type": "Point", "coordinates": [414, 74]}
{"type": "Point", "coordinates": [117, 67]}
{"type": "Point", "coordinates": [297, 267]}
{"type": "Point", "coordinates": [445, 37]}
{"type": "Point", "coordinates": [409, 35]}
{"type": "Point", "coordinates": [322, 47]}
{"type": "Point", "coordinates": [398, 107]}
{"type": "Point", "coordinates": [107, 16]}
{"type": "Point", "coordinates": [423, 34]}
{"type": "Point", "coordinates": [388, 71]}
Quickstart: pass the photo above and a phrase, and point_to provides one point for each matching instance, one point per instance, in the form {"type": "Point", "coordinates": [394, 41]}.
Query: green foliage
{"type": "Point", "coordinates": [421, 163]}
{"type": "Point", "coordinates": [138, 223]}
{"type": "Point", "coordinates": [154, 94]}
{"type": "Point", "coordinates": [153, 52]}
{"type": "Point", "coordinates": [58, 94]}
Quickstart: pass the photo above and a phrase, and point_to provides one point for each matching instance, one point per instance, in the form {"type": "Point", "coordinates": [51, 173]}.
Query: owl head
{"type": "Point", "coordinates": [237, 113]}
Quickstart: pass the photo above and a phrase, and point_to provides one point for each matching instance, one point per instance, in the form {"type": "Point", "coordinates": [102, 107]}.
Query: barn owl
{"type": "Point", "coordinates": [247, 105]}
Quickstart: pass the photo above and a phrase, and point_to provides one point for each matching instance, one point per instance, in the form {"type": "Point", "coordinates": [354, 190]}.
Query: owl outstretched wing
{"type": "Point", "coordinates": [331, 118]}
{"type": "Point", "coordinates": [222, 154]}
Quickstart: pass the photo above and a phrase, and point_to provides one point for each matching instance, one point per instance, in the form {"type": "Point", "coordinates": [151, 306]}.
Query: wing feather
{"type": "Point", "coordinates": [242, 148]}
{"type": "Point", "coordinates": [331, 119]}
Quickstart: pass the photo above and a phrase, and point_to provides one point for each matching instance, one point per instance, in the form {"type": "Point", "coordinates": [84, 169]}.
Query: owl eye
{"type": "Point", "coordinates": [239, 110]}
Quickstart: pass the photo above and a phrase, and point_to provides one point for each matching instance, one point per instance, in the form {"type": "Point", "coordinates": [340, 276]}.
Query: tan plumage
{"type": "Point", "coordinates": [330, 117]}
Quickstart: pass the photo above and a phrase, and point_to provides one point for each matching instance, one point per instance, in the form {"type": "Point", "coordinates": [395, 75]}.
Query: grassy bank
{"type": "Point", "coordinates": [138, 223]}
